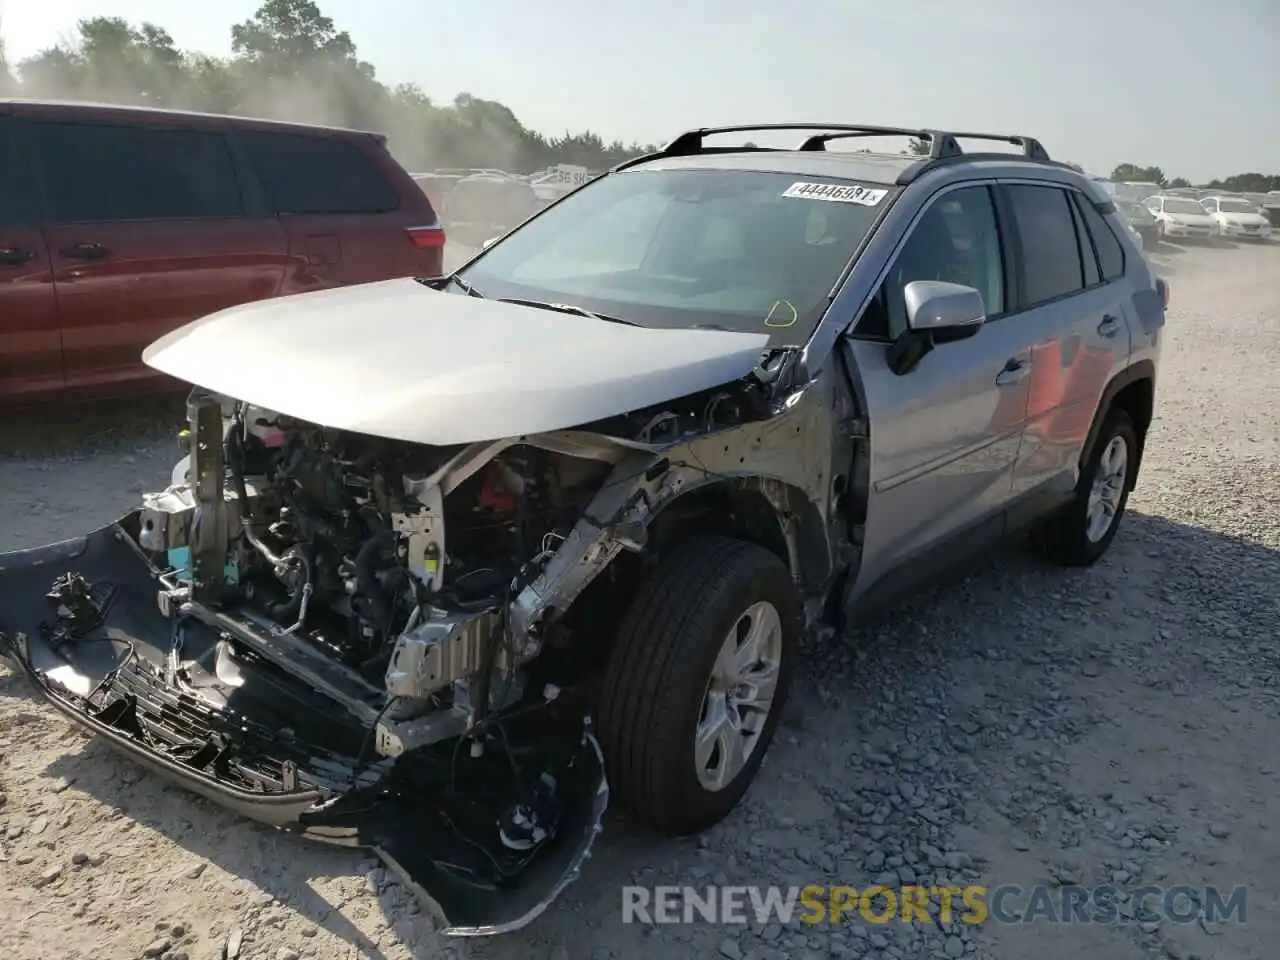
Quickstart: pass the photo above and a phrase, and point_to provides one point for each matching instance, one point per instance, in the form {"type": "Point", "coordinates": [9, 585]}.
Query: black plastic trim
{"type": "Point", "coordinates": [278, 810]}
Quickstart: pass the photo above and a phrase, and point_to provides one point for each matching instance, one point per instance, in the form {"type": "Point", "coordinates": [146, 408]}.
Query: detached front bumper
{"type": "Point", "coordinates": [188, 703]}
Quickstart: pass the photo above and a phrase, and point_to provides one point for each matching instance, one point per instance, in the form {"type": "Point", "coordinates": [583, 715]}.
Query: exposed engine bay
{"type": "Point", "coordinates": [328, 646]}
{"type": "Point", "coordinates": [339, 540]}
{"type": "Point", "coordinates": [372, 642]}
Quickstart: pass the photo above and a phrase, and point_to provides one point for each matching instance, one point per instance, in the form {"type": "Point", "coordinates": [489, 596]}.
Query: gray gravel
{"type": "Point", "coordinates": [1024, 726]}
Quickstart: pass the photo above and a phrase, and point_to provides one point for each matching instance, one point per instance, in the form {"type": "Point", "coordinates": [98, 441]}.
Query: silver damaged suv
{"type": "Point", "coordinates": [450, 560]}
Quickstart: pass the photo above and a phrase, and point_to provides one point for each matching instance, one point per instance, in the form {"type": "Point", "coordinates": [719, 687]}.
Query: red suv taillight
{"type": "Point", "coordinates": [426, 238]}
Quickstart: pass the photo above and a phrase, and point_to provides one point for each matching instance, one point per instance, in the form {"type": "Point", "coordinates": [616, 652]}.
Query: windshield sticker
{"type": "Point", "coordinates": [781, 315]}
{"type": "Point", "coordinates": [835, 193]}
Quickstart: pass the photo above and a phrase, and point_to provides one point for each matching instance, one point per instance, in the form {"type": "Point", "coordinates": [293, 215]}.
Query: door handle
{"type": "Point", "coordinates": [85, 251]}
{"type": "Point", "coordinates": [1015, 370]}
{"type": "Point", "coordinates": [15, 256]}
{"type": "Point", "coordinates": [1109, 326]}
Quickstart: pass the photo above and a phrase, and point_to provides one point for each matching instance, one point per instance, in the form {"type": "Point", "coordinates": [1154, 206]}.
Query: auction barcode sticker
{"type": "Point", "coordinates": [836, 193]}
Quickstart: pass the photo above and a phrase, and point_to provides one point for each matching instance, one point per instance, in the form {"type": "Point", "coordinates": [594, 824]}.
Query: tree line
{"type": "Point", "coordinates": [1238, 183]}
{"type": "Point", "coordinates": [289, 61]}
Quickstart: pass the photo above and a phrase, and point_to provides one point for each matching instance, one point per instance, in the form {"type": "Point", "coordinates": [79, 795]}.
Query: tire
{"type": "Point", "coordinates": [1067, 538]}
{"type": "Point", "coordinates": [660, 675]}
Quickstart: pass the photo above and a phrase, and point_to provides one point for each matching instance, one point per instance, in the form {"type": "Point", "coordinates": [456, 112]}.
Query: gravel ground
{"type": "Point", "coordinates": [1025, 726]}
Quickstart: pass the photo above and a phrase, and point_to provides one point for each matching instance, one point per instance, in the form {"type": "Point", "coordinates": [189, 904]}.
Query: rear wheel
{"type": "Point", "coordinates": [696, 682]}
{"type": "Point", "coordinates": [1081, 533]}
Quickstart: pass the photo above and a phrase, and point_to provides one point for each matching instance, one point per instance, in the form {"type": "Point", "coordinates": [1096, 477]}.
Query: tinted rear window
{"type": "Point", "coordinates": [1110, 252]}
{"type": "Point", "coordinates": [1050, 247]}
{"type": "Point", "coordinates": [16, 205]}
{"type": "Point", "coordinates": [306, 174]}
{"type": "Point", "coordinates": [96, 172]}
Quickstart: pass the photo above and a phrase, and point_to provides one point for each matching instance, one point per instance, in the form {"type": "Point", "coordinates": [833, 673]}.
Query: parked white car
{"type": "Point", "coordinates": [1237, 217]}
{"type": "Point", "coordinates": [1180, 217]}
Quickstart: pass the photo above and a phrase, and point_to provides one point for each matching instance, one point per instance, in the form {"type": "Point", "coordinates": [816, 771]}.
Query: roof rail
{"type": "Point", "coordinates": [942, 143]}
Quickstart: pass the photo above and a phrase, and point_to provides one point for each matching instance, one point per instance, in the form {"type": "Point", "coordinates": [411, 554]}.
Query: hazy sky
{"type": "Point", "coordinates": [1192, 85]}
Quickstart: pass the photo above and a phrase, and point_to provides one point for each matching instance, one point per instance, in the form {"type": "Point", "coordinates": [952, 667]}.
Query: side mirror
{"type": "Point", "coordinates": [488, 243]}
{"type": "Point", "coordinates": [950, 311]}
{"type": "Point", "coordinates": [937, 312]}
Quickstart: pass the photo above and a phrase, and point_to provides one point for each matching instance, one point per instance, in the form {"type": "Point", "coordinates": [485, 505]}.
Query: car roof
{"type": "Point", "coordinates": [874, 167]}
{"type": "Point", "coordinates": [86, 109]}
{"type": "Point", "coordinates": [941, 150]}
{"type": "Point", "coordinates": [883, 168]}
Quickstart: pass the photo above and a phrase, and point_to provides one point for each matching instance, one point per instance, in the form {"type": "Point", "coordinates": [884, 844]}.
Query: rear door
{"type": "Point", "coordinates": [351, 214]}
{"type": "Point", "coordinates": [1072, 307]}
{"type": "Point", "coordinates": [147, 229]}
{"type": "Point", "coordinates": [30, 344]}
{"type": "Point", "coordinates": [945, 435]}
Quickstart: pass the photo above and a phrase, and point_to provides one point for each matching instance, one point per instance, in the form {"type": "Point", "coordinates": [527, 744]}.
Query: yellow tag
{"type": "Point", "coordinates": [781, 315]}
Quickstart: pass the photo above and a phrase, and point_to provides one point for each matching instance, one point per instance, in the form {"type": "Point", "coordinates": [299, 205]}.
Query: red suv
{"type": "Point", "coordinates": [119, 224]}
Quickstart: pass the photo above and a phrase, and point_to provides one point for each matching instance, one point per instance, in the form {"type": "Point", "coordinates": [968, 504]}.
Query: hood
{"type": "Point", "coordinates": [1245, 219]}
{"type": "Point", "coordinates": [1200, 219]}
{"type": "Point", "coordinates": [396, 359]}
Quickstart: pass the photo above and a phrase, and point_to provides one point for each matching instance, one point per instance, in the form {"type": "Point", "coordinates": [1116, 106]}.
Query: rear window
{"type": "Point", "coordinates": [1105, 244]}
{"type": "Point", "coordinates": [16, 204]}
{"type": "Point", "coordinates": [742, 250]}
{"type": "Point", "coordinates": [306, 174]}
{"type": "Point", "coordinates": [109, 172]}
{"type": "Point", "coordinates": [1050, 246]}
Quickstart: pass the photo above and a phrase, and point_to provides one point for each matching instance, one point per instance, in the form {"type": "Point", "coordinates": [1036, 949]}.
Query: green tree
{"type": "Point", "coordinates": [1179, 182]}
{"type": "Point", "coordinates": [8, 82]}
{"type": "Point", "coordinates": [918, 146]}
{"type": "Point", "coordinates": [291, 61]}
{"type": "Point", "coordinates": [1132, 173]}
{"type": "Point", "coordinates": [1247, 183]}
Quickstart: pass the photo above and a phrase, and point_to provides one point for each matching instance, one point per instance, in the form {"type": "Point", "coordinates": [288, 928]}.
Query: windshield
{"type": "Point", "coordinates": [1236, 206]}
{"type": "Point", "coordinates": [1179, 205]}
{"type": "Point", "coordinates": [740, 250]}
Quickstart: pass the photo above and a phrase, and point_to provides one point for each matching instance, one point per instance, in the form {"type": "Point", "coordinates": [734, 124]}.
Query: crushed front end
{"type": "Point", "coordinates": [287, 632]}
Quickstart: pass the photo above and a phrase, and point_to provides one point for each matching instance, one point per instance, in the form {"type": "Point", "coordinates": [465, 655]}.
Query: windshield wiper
{"type": "Point", "coordinates": [569, 308]}
{"type": "Point", "coordinates": [462, 285]}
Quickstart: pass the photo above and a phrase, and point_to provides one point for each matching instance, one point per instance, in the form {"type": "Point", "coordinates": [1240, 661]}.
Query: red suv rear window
{"type": "Point", "coordinates": [306, 174]}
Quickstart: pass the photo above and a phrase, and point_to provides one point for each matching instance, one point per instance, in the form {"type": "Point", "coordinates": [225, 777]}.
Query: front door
{"type": "Point", "coordinates": [30, 344]}
{"type": "Point", "coordinates": [146, 231]}
{"type": "Point", "coordinates": [945, 436]}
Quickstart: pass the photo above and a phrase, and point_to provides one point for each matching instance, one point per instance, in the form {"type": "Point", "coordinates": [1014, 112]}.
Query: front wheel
{"type": "Point", "coordinates": [696, 681]}
{"type": "Point", "coordinates": [1082, 532]}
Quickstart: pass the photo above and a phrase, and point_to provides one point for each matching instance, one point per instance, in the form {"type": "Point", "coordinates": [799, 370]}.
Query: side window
{"type": "Point", "coordinates": [15, 194]}
{"type": "Point", "coordinates": [956, 239]}
{"type": "Point", "coordinates": [96, 172]}
{"type": "Point", "coordinates": [1050, 248]}
{"type": "Point", "coordinates": [305, 174]}
{"type": "Point", "coordinates": [1088, 259]}
{"type": "Point", "coordinates": [1105, 243]}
